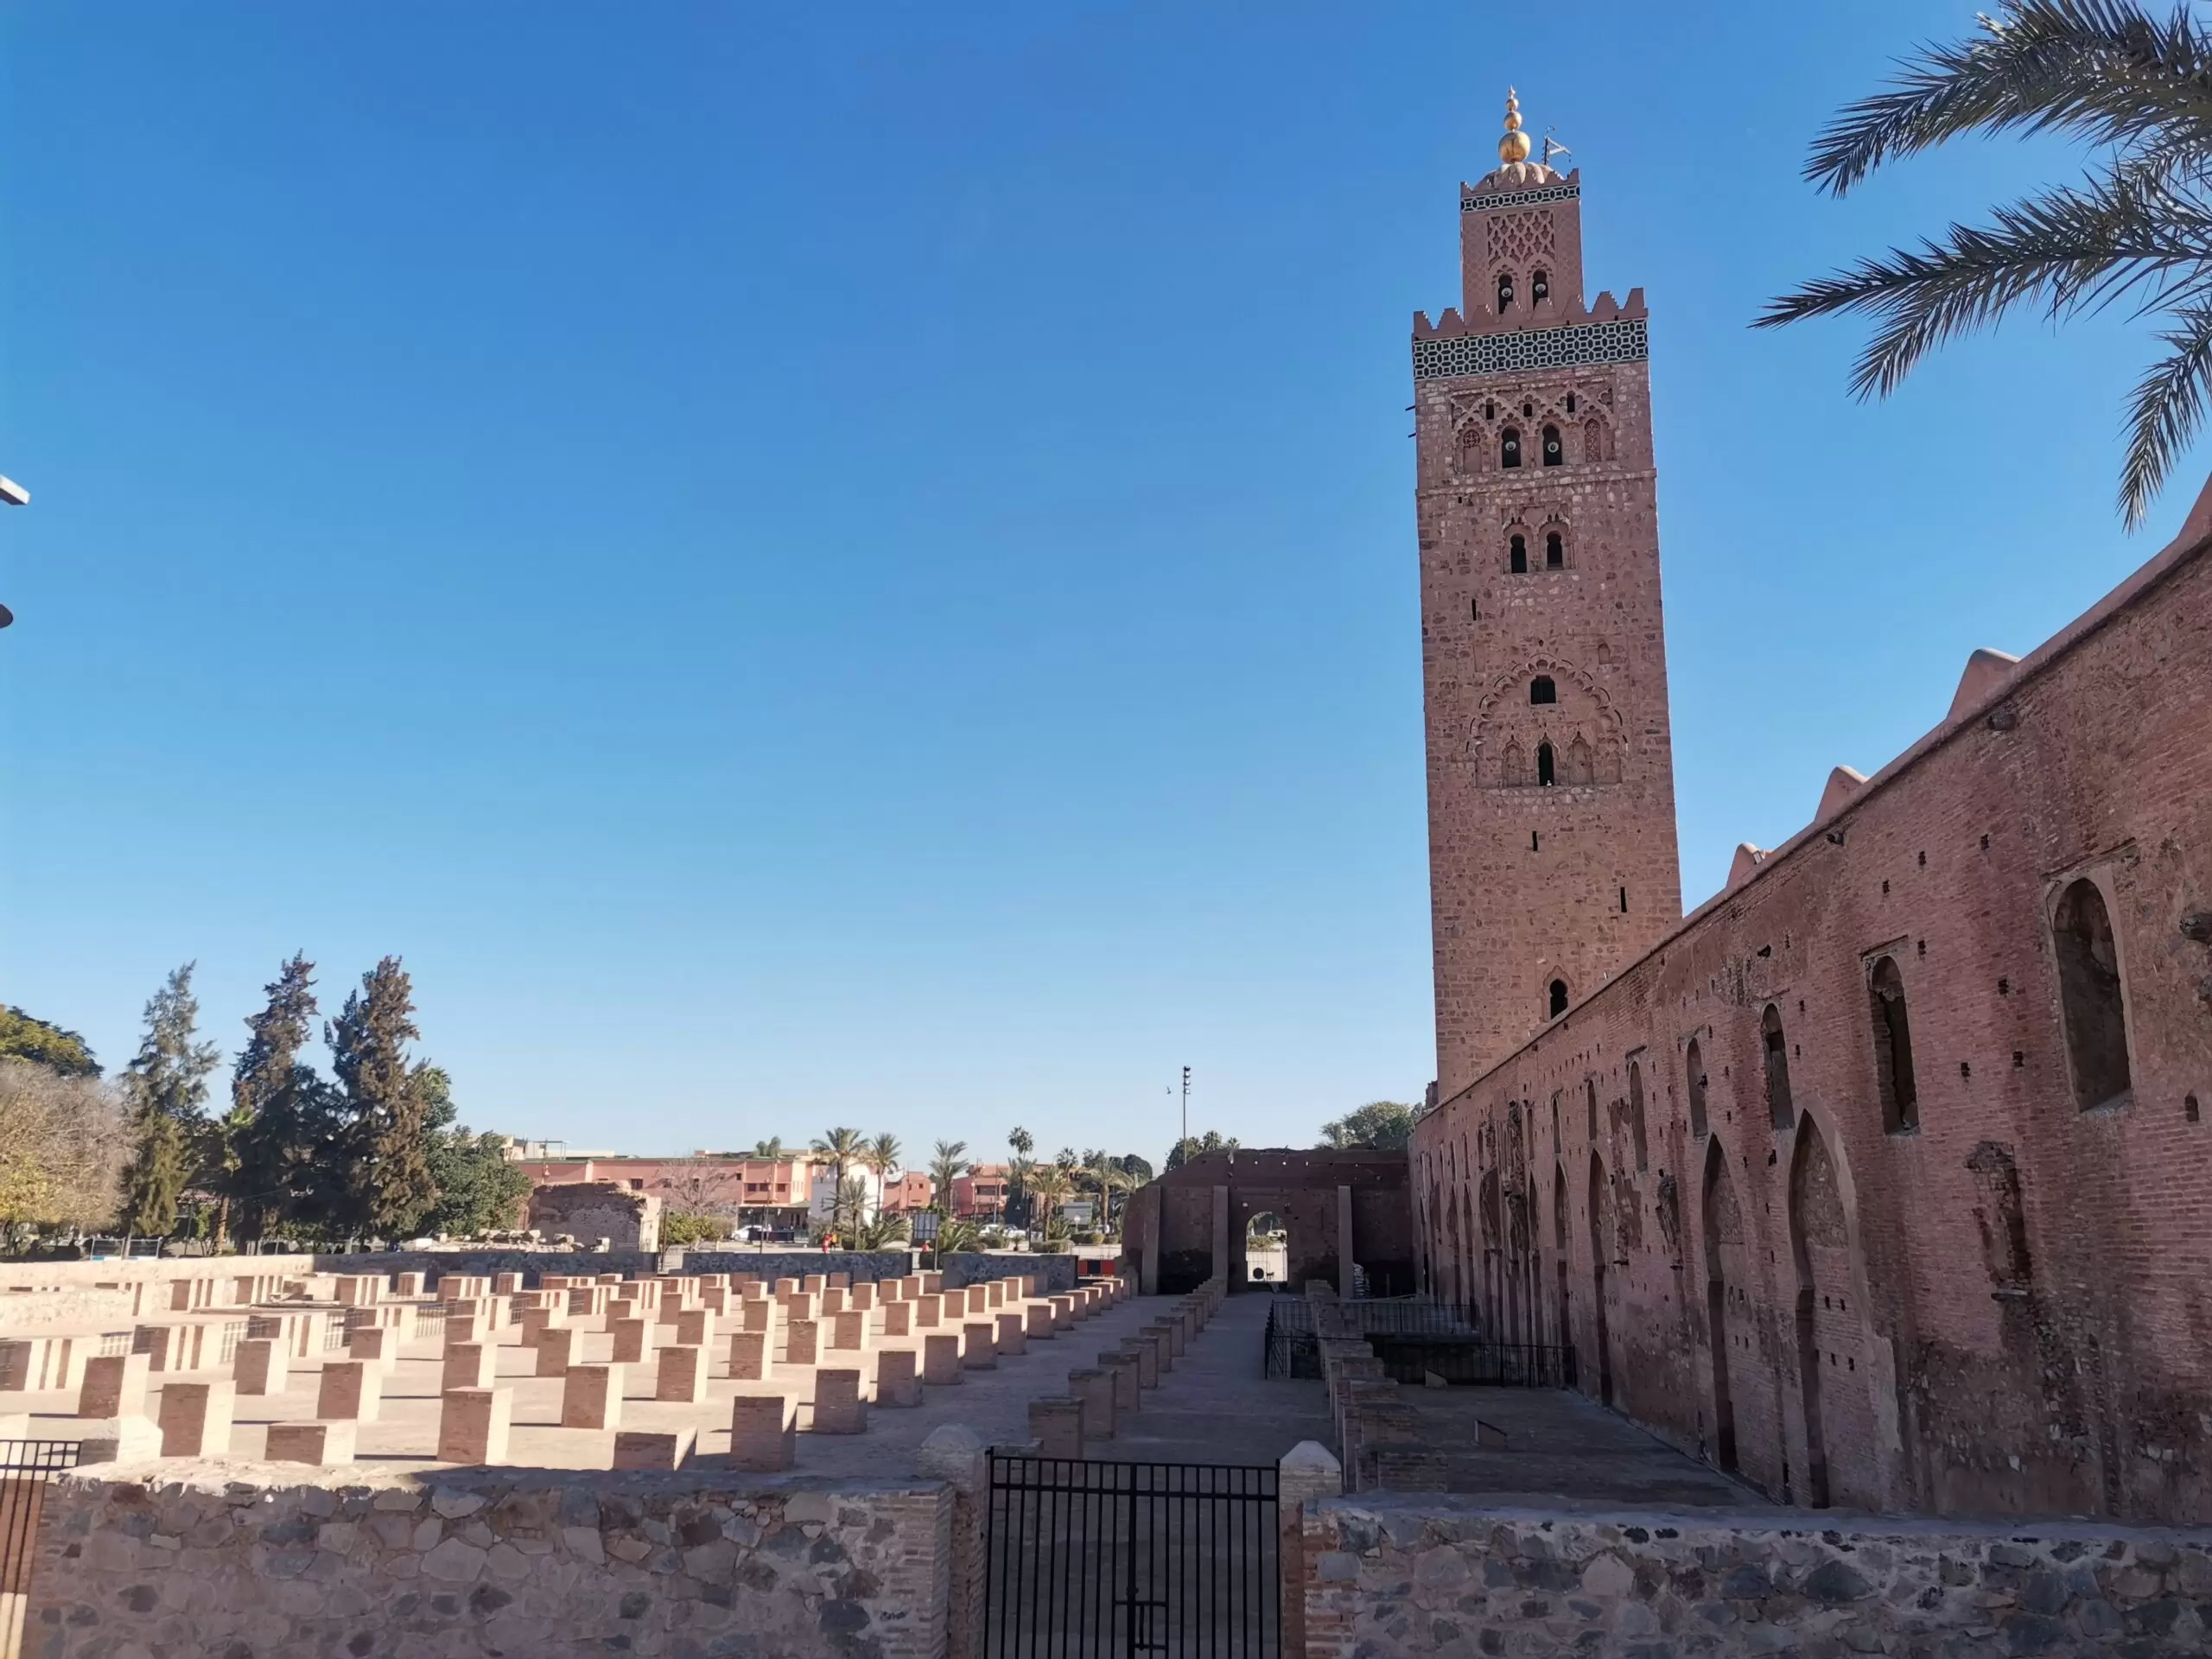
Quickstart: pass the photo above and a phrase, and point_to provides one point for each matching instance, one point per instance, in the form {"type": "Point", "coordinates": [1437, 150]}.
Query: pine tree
{"type": "Point", "coordinates": [275, 1140]}
{"type": "Point", "coordinates": [166, 1087]}
{"type": "Point", "coordinates": [392, 1186]}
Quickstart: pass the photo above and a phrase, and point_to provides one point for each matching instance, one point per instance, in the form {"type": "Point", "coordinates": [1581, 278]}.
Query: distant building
{"type": "Point", "coordinates": [981, 1194]}
{"type": "Point", "coordinates": [904, 1194]}
{"type": "Point", "coordinates": [749, 1191]}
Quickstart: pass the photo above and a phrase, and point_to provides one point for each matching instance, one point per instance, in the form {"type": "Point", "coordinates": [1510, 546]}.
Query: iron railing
{"type": "Point", "coordinates": [1111, 1561]}
{"type": "Point", "coordinates": [25, 1467]}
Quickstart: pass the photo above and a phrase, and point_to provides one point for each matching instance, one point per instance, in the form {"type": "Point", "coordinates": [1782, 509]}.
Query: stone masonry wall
{"type": "Point", "coordinates": [246, 1561]}
{"type": "Point", "coordinates": [1393, 1578]}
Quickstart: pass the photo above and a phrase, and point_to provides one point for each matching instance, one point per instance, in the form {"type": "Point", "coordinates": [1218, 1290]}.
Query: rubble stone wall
{"type": "Point", "coordinates": [238, 1559]}
{"type": "Point", "coordinates": [1392, 1577]}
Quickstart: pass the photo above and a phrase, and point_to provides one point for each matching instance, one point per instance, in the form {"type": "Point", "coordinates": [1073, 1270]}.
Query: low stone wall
{"type": "Point", "coordinates": [53, 1306]}
{"type": "Point", "coordinates": [237, 1559]}
{"type": "Point", "coordinates": [1055, 1274]}
{"type": "Point", "coordinates": [1388, 1576]}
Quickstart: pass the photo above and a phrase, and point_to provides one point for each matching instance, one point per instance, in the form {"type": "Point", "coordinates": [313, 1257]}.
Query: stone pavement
{"type": "Point", "coordinates": [1215, 1406]}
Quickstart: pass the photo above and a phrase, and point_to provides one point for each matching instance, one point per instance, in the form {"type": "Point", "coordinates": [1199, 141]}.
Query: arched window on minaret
{"type": "Point", "coordinates": [1554, 451]}
{"type": "Point", "coordinates": [1508, 447]}
{"type": "Point", "coordinates": [1558, 998]}
{"type": "Point", "coordinates": [1540, 287]}
{"type": "Point", "coordinates": [1593, 441]}
{"type": "Point", "coordinates": [1555, 550]}
{"type": "Point", "coordinates": [1542, 689]}
{"type": "Point", "coordinates": [1547, 768]}
{"type": "Point", "coordinates": [1505, 292]}
{"type": "Point", "coordinates": [1518, 547]}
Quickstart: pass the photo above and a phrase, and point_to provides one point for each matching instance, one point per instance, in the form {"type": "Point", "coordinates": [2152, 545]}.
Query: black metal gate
{"type": "Point", "coordinates": [25, 1466]}
{"type": "Point", "coordinates": [1111, 1561]}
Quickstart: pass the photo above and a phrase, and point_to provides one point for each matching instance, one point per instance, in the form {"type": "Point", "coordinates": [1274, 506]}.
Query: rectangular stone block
{"type": "Point", "coordinates": [1039, 1319]}
{"type": "Point", "coordinates": [814, 1283]}
{"type": "Point", "coordinates": [840, 1282]}
{"type": "Point", "coordinates": [898, 1318]}
{"type": "Point", "coordinates": [848, 1332]}
{"type": "Point", "coordinates": [376, 1345]}
{"type": "Point", "coordinates": [350, 1390]}
{"type": "Point", "coordinates": [682, 1376]}
{"type": "Point", "coordinates": [407, 1284]}
{"type": "Point", "coordinates": [994, 1293]}
{"type": "Point", "coordinates": [1128, 1385]}
{"type": "Point", "coordinates": [474, 1425]}
{"type": "Point", "coordinates": [591, 1397]}
{"type": "Point", "coordinates": [1056, 1424]}
{"type": "Point", "coordinates": [195, 1419]}
{"type": "Point", "coordinates": [469, 1366]}
{"type": "Point", "coordinates": [114, 1386]}
{"type": "Point", "coordinates": [787, 1288]}
{"type": "Point", "coordinates": [695, 1328]}
{"type": "Point", "coordinates": [941, 1358]}
{"type": "Point", "coordinates": [1147, 1364]}
{"type": "Point", "coordinates": [835, 1301]}
{"type": "Point", "coordinates": [748, 1356]}
{"type": "Point", "coordinates": [261, 1367]}
{"type": "Point", "coordinates": [1094, 1389]}
{"type": "Point", "coordinates": [466, 1326]}
{"type": "Point", "coordinates": [979, 1347]}
{"type": "Point", "coordinates": [1063, 1312]}
{"type": "Point", "coordinates": [506, 1284]}
{"type": "Point", "coordinates": [929, 1311]}
{"type": "Point", "coordinates": [761, 1432]}
{"type": "Point", "coordinates": [932, 1282]}
{"type": "Point", "coordinates": [760, 1317]}
{"type": "Point", "coordinates": [162, 1344]}
{"type": "Point", "coordinates": [634, 1340]}
{"type": "Point", "coordinates": [978, 1300]}
{"type": "Point", "coordinates": [667, 1449]}
{"type": "Point", "coordinates": [865, 1298]}
{"type": "Point", "coordinates": [837, 1406]}
{"type": "Point", "coordinates": [804, 1345]}
{"type": "Point", "coordinates": [317, 1443]}
{"type": "Point", "coordinates": [555, 1349]}
{"type": "Point", "coordinates": [119, 1440]}
{"type": "Point", "coordinates": [896, 1384]}
{"type": "Point", "coordinates": [1011, 1337]}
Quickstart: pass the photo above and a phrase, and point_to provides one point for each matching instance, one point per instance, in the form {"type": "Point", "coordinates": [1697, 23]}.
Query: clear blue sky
{"type": "Point", "coordinates": [855, 564]}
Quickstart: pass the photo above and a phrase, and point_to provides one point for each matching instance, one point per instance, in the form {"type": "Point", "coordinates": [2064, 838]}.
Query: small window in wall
{"type": "Point", "coordinates": [1540, 287]}
{"type": "Point", "coordinates": [1542, 690]}
{"type": "Point", "coordinates": [1555, 550]}
{"type": "Point", "coordinates": [1547, 767]}
{"type": "Point", "coordinates": [1892, 1047]}
{"type": "Point", "coordinates": [1555, 451]}
{"type": "Point", "coordinates": [1694, 1063]}
{"type": "Point", "coordinates": [1636, 1116]}
{"type": "Point", "coordinates": [1558, 998]}
{"type": "Point", "coordinates": [1570, 402]}
{"type": "Point", "coordinates": [1779, 1109]}
{"type": "Point", "coordinates": [1505, 292]}
{"type": "Point", "coordinates": [1518, 550]}
{"type": "Point", "coordinates": [2090, 995]}
{"type": "Point", "coordinates": [1509, 447]}
{"type": "Point", "coordinates": [1590, 1084]}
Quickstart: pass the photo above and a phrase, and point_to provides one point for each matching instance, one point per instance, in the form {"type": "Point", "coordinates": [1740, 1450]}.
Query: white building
{"type": "Point", "coordinates": [821, 1191]}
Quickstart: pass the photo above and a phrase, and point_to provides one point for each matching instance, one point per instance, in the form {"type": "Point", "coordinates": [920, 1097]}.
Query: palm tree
{"type": "Point", "coordinates": [1052, 1183]}
{"type": "Point", "coordinates": [1019, 1172]}
{"type": "Point", "coordinates": [880, 1157]}
{"type": "Point", "coordinates": [840, 1150]}
{"type": "Point", "coordinates": [946, 1167]}
{"type": "Point", "coordinates": [771, 1149]}
{"type": "Point", "coordinates": [2104, 70]}
{"type": "Point", "coordinates": [1109, 1177]}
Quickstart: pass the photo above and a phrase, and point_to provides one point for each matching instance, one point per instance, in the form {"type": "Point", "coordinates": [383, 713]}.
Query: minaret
{"type": "Point", "coordinates": [1551, 786]}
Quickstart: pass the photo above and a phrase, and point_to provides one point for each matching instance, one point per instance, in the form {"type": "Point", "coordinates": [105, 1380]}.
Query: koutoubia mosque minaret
{"type": "Point", "coordinates": [1551, 783]}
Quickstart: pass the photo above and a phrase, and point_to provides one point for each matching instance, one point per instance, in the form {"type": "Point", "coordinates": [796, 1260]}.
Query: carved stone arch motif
{"type": "Point", "coordinates": [1509, 727]}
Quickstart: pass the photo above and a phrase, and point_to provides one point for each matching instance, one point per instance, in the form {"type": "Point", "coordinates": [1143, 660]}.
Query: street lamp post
{"type": "Point", "coordinates": [12, 495]}
{"type": "Point", "coordinates": [1186, 1141]}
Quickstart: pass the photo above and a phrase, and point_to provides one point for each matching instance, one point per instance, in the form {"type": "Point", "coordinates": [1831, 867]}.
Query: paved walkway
{"type": "Point", "coordinates": [1215, 1407]}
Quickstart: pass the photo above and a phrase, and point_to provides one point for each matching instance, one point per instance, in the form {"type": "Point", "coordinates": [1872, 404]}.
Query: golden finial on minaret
{"type": "Point", "coordinates": [1514, 146]}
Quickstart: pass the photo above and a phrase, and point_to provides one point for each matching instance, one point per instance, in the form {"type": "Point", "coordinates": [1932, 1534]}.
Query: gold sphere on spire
{"type": "Point", "coordinates": [1514, 146]}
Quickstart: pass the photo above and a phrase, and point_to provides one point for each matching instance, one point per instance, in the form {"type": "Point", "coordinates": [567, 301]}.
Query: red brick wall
{"type": "Point", "coordinates": [1528, 881]}
{"type": "Point", "coordinates": [1298, 1186]}
{"type": "Point", "coordinates": [2007, 1308]}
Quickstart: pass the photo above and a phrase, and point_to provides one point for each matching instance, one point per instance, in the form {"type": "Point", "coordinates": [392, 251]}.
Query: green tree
{"type": "Point", "coordinates": [1196, 1146]}
{"type": "Point", "coordinates": [2139, 229]}
{"type": "Point", "coordinates": [165, 1087]}
{"type": "Point", "coordinates": [841, 1149]}
{"type": "Point", "coordinates": [1386, 1125]}
{"type": "Point", "coordinates": [271, 1136]}
{"type": "Point", "coordinates": [24, 1037]}
{"type": "Point", "coordinates": [771, 1149]}
{"type": "Point", "coordinates": [384, 1102]}
{"type": "Point", "coordinates": [480, 1188]}
{"type": "Point", "coordinates": [1139, 1169]}
{"type": "Point", "coordinates": [947, 1166]}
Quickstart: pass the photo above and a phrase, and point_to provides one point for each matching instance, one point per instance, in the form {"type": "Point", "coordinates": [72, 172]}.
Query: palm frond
{"type": "Point", "coordinates": [2167, 409]}
{"type": "Point", "coordinates": [2102, 70]}
{"type": "Point", "coordinates": [2068, 250]}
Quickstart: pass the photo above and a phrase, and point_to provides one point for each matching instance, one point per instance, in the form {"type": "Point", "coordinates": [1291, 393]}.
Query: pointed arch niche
{"type": "Point", "coordinates": [1543, 704]}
